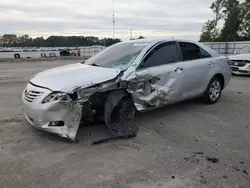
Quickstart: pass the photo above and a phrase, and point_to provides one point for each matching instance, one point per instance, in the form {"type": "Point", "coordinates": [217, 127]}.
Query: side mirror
{"type": "Point", "coordinates": [142, 64]}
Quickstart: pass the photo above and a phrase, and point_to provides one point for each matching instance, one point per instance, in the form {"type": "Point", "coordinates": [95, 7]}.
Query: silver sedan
{"type": "Point", "coordinates": [240, 62]}
{"type": "Point", "coordinates": [137, 75]}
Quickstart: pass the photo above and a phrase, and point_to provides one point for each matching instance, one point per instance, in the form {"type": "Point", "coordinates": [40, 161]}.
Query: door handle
{"type": "Point", "coordinates": [178, 68]}
{"type": "Point", "coordinates": [211, 63]}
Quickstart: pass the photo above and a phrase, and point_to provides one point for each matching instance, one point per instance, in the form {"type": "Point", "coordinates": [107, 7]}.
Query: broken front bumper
{"type": "Point", "coordinates": [61, 118]}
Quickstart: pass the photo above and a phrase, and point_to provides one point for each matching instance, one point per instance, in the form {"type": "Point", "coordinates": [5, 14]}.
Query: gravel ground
{"type": "Point", "coordinates": [183, 145]}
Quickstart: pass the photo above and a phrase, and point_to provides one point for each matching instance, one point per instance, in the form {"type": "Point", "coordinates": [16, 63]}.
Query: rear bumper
{"type": "Point", "coordinates": [227, 76]}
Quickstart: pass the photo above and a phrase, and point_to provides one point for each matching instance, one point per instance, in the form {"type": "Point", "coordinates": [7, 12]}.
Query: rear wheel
{"type": "Point", "coordinates": [213, 92]}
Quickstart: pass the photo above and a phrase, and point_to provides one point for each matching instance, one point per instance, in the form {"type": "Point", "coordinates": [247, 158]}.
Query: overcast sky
{"type": "Point", "coordinates": [150, 18]}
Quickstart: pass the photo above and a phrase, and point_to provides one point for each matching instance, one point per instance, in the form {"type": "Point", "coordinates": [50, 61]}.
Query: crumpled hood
{"type": "Point", "coordinates": [240, 57]}
{"type": "Point", "coordinates": [67, 78]}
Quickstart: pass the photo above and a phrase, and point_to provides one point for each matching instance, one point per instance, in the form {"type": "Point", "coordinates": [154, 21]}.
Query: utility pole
{"type": "Point", "coordinates": [113, 19]}
{"type": "Point", "coordinates": [131, 34]}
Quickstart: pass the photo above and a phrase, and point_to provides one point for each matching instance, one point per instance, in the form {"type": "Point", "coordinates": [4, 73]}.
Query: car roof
{"type": "Point", "coordinates": [161, 40]}
{"type": "Point", "coordinates": [154, 41]}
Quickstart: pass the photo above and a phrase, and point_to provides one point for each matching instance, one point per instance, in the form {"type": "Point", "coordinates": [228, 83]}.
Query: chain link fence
{"type": "Point", "coordinates": [89, 51]}
{"type": "Point", "coordinates": [226, 47]}
{"type": "Point", "coordinates": [85, 52]}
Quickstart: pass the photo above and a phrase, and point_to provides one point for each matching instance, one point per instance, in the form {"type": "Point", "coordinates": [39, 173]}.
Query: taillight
{"type": "Point", "coordinates": [229, 61]}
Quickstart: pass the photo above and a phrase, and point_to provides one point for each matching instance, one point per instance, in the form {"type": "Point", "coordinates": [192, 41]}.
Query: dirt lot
{"type": "Point", "coordinates": [185, 145]}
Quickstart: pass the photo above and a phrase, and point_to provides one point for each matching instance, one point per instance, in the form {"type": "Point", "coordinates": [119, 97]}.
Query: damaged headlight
{"type": "Point", "coordinates": [81, 95]}
{"type": "Point", "coordinates": [56, 96]}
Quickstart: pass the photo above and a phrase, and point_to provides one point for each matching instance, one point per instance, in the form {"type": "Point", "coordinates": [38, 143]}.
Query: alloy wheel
{"type": "Point", "coordinates": [214, 90]}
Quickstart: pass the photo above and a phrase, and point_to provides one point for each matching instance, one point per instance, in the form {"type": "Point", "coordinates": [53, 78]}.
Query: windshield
{"type": "Point", "coordinates": [120, 55]}
{"type": "Point", "coordinates": [244, 50]}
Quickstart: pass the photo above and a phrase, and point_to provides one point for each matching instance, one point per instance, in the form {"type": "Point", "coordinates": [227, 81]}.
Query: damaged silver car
{"type": "Point", "coordinates": [138, 75]}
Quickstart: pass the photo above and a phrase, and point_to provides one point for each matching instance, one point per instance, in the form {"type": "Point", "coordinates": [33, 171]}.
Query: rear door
{"type": "Point", "coordinates": [196, 64]}
{"type": "Point", "coordinates": [159, 76]}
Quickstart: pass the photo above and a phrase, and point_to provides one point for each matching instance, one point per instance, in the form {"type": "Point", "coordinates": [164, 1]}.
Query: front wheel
{"type": "Point", "coordinates": [121, 120]}
{"type": "Point", "coordinates": [213, 92]}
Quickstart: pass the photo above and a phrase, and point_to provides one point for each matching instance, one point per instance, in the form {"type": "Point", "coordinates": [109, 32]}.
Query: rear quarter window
{"type": "Point", "coordinates": [204, 53]}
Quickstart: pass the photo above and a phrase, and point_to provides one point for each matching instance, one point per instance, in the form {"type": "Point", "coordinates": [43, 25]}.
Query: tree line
{"type": "Point", "coordinates": [11, 40]}
{"type": "Point", "coordinates": [235, 17]}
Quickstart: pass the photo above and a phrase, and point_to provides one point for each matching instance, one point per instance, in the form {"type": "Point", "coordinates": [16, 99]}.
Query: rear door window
{"type": "Point", "coordinates": [192, 51]}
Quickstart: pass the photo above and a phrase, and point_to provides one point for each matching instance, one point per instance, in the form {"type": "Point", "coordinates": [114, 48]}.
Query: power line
{"type": "Point", "coordinates": [113, 19]}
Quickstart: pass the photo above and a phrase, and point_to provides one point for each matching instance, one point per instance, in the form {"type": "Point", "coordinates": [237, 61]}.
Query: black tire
{"type": "Point", "coordinates": [17, 55]}
{"type": "Point", "coordinates": [121, 121]}
{"type": "Point", "coordinates": [211, 96]}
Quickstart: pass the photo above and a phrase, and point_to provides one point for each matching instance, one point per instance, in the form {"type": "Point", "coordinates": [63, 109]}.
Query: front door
{"type": "Point", "coordinates": [158, 78]}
